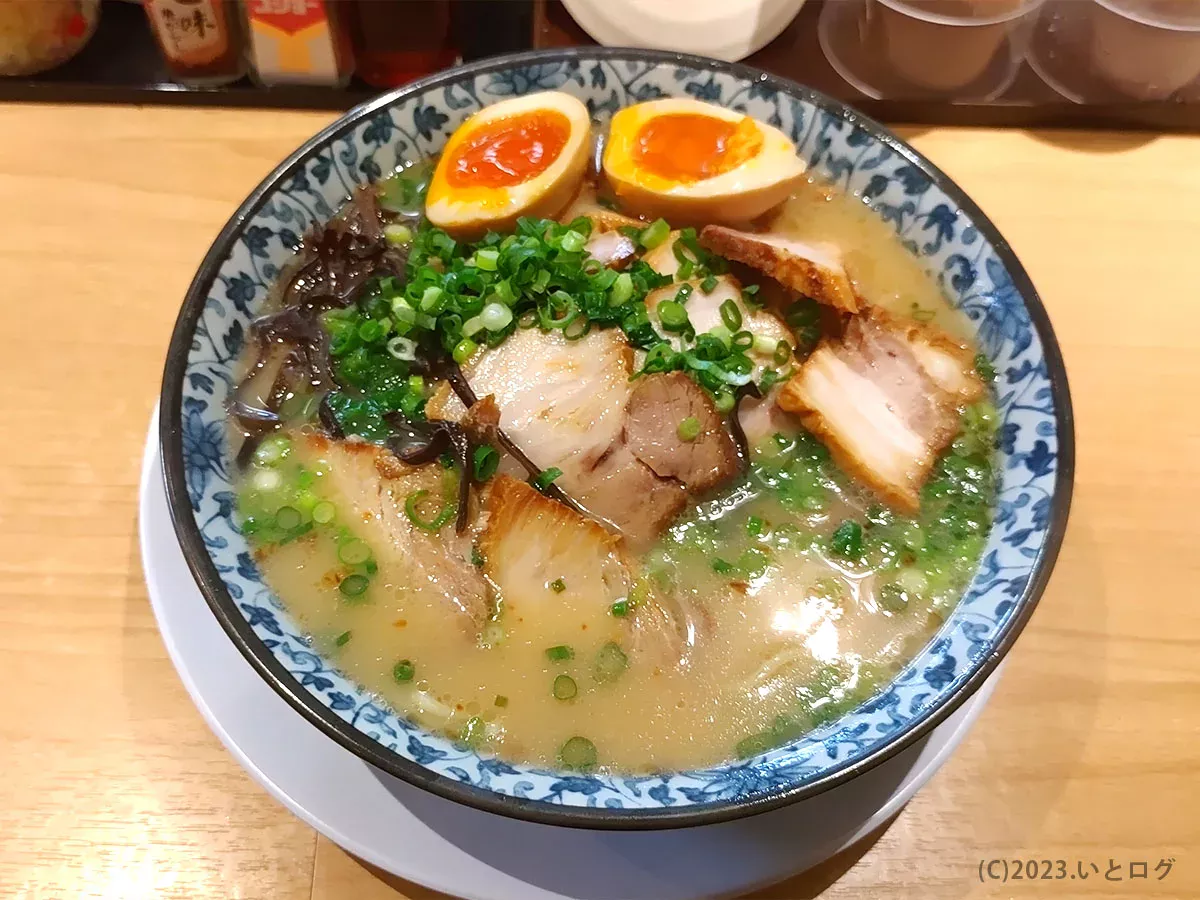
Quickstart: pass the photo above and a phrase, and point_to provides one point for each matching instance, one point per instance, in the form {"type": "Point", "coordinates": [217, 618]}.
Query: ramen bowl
{"type": "Point", "coordinates": [953, 240]}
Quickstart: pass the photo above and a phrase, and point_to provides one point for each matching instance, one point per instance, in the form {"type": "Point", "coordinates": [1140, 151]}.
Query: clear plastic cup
{"type": "Point", "coordinates": [944, 45]}
{"type": "Point", "coordinates": [1146, 49]}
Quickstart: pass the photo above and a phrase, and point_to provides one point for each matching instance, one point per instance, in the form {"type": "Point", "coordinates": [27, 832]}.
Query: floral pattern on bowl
{"type": "Point", "coordinates": [954, 241]}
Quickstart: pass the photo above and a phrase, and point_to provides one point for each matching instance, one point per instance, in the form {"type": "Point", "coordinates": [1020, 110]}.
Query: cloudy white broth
{"type": "Point", "coordinates": [638, 469]}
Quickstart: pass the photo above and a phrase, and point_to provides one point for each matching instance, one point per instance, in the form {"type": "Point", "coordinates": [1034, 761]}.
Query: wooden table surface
{"type": "Point", "coordinates": [111, 785]}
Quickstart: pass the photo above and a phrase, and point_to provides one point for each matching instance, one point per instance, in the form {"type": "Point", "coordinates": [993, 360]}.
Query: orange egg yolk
{"type": "Point", "coordinates": [509, 151]}
{"type": "Point", "coordinates": [688, 147]}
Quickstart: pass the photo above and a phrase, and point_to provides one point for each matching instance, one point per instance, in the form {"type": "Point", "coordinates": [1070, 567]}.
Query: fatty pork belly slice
{"type": "Point", "coordinates": [369, 486]}
{"type": "Point", "coordinates": [870, 399]}
{"type": "Point", "coordinates": [815, 270]}
{"type": "Point", "coordinates": [555, 570]}
{"type": "Point", "coordinates": [704, 313]}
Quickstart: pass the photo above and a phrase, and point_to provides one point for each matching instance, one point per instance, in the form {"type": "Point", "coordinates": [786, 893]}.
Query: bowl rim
{"type": "Point", "coordinates": [225, 608]}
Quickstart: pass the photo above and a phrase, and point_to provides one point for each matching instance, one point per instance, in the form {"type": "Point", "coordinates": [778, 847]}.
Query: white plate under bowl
{"type": "Point", "coordinates": [460, 851]}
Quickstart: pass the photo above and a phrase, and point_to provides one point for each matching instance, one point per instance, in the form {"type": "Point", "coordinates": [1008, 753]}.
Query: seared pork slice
{"type": "Point", "coordinates": [870, 400]}
{"type": "Point", "coordinates": [625, 492]}
{"type": "Point", "coordinates": [951, 365]}
{"type": "Point", "coordinates": [704, 312]}
{"type": "Point", "coordinates": [658, 405]}
{"type": "Point", "coordinates": [815, 270]}
{"type": "Point", "coordinates": [370, 486]}
{"type": "Point", "coordinates": [667, 629]}
{"type": "Point", "coordinates": [662, 258]}
{"type": "Point", "coordinates": [587, 205]}
{"type": "Point", "coordinates": [611, 248]}
{"type": "Point", "coordinates": [762, 417]}
{"type": "Point", "coordinates": [531, 541]}
{"type": "Point", "coordinates": [562, 402]}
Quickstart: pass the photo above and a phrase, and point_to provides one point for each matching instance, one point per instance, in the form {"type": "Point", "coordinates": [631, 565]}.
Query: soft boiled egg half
{"type": "Point", "coordinates": [520, 157]}
{"type": "Point", "coordinates": [692, 162]}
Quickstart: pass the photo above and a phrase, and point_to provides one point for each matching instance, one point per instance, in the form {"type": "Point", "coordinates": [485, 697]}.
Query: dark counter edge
{"type": "Point", "coordinates": [1165, 116]}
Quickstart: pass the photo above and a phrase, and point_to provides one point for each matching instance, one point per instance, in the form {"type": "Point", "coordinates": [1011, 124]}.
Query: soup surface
{"type": "Point", "coordinates": [544, 629]}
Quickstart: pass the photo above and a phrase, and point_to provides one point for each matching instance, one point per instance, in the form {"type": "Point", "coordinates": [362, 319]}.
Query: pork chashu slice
{"type": "Point", "coordinates": [815, 270]}
{"type": "Point", "coordinates": [564, 404]}
{"type": "Point", "coordinates": [369, 486]}
{"type": "Point", "coordinates": [884, 414]}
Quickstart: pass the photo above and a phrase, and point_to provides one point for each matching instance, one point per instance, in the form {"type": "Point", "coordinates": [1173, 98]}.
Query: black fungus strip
{"type": "Point", "coordinates": [328, 420]}
{"type": "Point", "coordinates": [749, 389]}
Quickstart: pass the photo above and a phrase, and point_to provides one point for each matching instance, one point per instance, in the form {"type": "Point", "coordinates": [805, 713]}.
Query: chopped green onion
{"type": "Point", "coordinates": [565, 688]}
{"type": "Point", "coordinates": [560, 653]}
{"type": "Point", "coordinates": [267, 480]}
{"type": "Point", "coordinates": [783, 352]}
{"type": "Point", "coordinates": [893, 598]}
{"type": "Point", "coordinates": [486, 460]}
{"type": "Point", "coordinates": [402, 312]}
{"type": "Point", "coordinates": [754, 526]}
{"type": "Point", "coordinates": [847, 539]}
{"type": "Point", "coordinates": [984, 367]}
{"type": "Point", "coordinates": [404, 671]}
{"type": "Point", "coordinates": [731, 316]}
{"type": "Point", "coordinates": [721, 567]}
{"type": "Point", "coordinates": [324, 512]}
{"type": "Point", "coordinates": [558, 585]}
{"type": "Point", "coordinates": [724, 402]}
{"type": "Point", "coordinates": [722, 334]}
{"type": "Point", "coordinates": [572, 241]}
{"type": "Point", "coordinates": [578, 753]}
{"type": "Point", "coordinates": [922, 315]}
{"type": "Point", "coordinates": [654, 234]}
{"type": "Point", "coordinates": [689, 429]}
{"type": "Point", "coordinates": [398, 234]}
{"type": "Point", "coordinates": [742, 341]}
{"type": "Point", "coordinates": [764, 344]}
{"type": "Point", "coordinates": [672, 315]}
{"type": "Point", "coordinates": [444, 515]}
{"type": "Point", "coordinates": [272, 450]}
{"type": "Point", "coordinates": [709, 283]}
{"type": "Point", "coordinates": [433, 300]}
{"type": "Point", "coordinates": [487, 259]}
{"type": "Point", "coordinates": [683, 293]}
{"type": "Point", "coordinates": [342, 639]}
{"type": "Point", "coordinates": [416, 385]}
{"type": "Point", "coordinates": [288, 517]}
{"type": "Point", "coordinates": [753, 562]}
{"type": "Point", "coordinates": [464, 350]}
{"type": "Point", "coordinates": [611, 661]}
{"type": "Point", "coordinates": [402, 348]}
{"type": "Point", "coordinates": [370, 331]}
{"type": "Point", "coordinates": [501, 701]}
{"type": "Point", "coordinates": [545, 478]}
{"type": "Point", "coordinates": [473, 326]}
{"type": "Point", "coordinates": [620, 609]}
{"type": "Point", "coordinates": [354, 552]}
{"type": "Point", "coordinates": [474, 732]}
{"type": "Point", "coordinates": [621, 290]}
{"type": "Point", "coordinates": [496, 316]}
{"type": "Point", "coordinates": [354, 585]}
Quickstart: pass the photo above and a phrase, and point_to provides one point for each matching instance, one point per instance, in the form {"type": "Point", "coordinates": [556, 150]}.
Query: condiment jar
{"type": "Point", "coordinates": [299, 41]}
{"type": "Point", "coordinates": [201, 40]}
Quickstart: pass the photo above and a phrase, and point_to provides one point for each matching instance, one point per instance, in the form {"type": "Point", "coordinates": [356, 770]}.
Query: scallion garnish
{"type": "Point", "coordinates": [404, 671]}
{"type": "Point", "coordinates": [342, 639]}
{"type": "Point", "coordinates": [611, 661]}
{"type": "Point", "coordinates": [546, 477]}
{"type": "Point", "coordinates": [654, 234]}
{"type": "Point", "coordinates": [689, 429]}
{"type": "Point", "coordinates": [558, 585]}
{"type": "Point", "coordinates": [565, 688]}
{"type": "Point", "coordinates": [486, 460]}
{"type": "Point", "coordinates": [559, 653]}
{"type": "Point", "coordinates": [731, 316]}
{"type": "Point", "coordinates": [578, 753]}
{"type": "Point", "coordinates": [445, 512]}
{"type": "Point", "coordinates": [354, 585]}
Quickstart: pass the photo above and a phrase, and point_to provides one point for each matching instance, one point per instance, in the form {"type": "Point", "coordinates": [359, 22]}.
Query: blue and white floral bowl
{"type": "Point", "coordinates": [934, 219]}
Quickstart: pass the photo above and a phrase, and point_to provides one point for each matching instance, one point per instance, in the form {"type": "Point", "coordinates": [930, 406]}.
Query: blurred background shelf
{"type": "Point", "coordinates": [122, 64]}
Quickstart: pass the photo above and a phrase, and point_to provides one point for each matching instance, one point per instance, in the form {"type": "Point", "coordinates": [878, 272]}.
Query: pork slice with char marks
{"type": "Point", "coordinates": [871, 400]}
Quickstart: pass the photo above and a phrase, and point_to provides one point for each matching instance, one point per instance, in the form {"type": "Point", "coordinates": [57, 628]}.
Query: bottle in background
{"type": "Point", "coordinates": [397, 41]}
{"type": "Point", "coordinates": [299, 41]}
{"type": "Point", "coordinates": [201, 40]}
